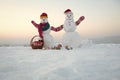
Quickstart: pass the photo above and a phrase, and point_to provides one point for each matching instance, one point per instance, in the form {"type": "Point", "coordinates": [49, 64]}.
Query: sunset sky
{"type": "Point", "coordinates": [102, 17]}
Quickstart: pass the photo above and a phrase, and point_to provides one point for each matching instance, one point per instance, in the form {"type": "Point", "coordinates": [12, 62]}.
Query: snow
{"type": "Point", "coordinates": [71, 41]}
{"type": "Point", "coordinates": [89, 62]}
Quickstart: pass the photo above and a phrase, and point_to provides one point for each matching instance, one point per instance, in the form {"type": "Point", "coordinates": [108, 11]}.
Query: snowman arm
{"type": "Point", "coordinates": [59, 28]}
{"type": "Point", "coordinates": [35, 24]}
{"type": "Point", "coordinates": [79, 20]}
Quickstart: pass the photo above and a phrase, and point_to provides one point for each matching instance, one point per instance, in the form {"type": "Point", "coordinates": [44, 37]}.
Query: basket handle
{"type": "Point", "coordinates": [33, 38]}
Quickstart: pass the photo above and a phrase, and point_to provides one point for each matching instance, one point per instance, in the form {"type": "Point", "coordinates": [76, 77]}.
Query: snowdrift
{"type": "Point", "coordinates": [89, 62]}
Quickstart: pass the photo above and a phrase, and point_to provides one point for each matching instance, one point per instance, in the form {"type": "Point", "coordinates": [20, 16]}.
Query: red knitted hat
{"type": "Point", "coordinates": [43, 15]}
{"type": "Point", "coordinates": [66, 11]}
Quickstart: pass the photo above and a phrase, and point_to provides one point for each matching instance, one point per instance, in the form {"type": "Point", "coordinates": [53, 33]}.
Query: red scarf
{"type": "Point", "coordinates": [43, 27]}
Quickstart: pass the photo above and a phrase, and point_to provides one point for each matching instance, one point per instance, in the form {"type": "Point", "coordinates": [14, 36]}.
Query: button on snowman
{"type": "Point", "coordinates": [71, 38]}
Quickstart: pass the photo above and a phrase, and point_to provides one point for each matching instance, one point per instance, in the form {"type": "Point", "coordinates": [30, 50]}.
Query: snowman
{"type": "Point", "coordinates": [44, 30]}
{"type": "Point", "coordinates": [71, 38]}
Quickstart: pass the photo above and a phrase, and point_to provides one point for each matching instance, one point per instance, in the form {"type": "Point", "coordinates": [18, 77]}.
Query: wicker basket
{"type": "Point", "coordinates": [36, 44]}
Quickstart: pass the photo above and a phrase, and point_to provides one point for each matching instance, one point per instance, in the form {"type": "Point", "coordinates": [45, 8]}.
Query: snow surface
{"type": "Point", "coordinates": [89, 62]}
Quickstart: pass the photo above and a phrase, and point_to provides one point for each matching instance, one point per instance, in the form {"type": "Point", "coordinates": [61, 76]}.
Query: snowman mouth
{"type": "Point", "coordinates": [69, 17]}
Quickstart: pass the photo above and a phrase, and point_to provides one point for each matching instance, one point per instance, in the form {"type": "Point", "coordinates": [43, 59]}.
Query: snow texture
{"type": "Point", "coordinates": [48, 40]}
{"type": "Point", "coordinates": [71, 39]}
{"type": "Point", "coordinates": [89, 62]}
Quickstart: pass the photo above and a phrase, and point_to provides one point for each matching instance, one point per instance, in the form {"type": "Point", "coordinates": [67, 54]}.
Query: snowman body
{"type": "Point", "coordinates": [69, 25]}
{"type": "Point", "coordinates": [70, 38]}
{"type": "Point", "coordinates": [48, 39]}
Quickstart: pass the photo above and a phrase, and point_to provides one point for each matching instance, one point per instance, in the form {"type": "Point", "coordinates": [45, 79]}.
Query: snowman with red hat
{"type": "Point", "coordinates": [71, 38]}
{"type": "Point", "coordinates": [44, 30]}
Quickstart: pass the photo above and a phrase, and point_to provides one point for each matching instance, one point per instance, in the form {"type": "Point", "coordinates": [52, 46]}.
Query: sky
{"type": "Point", "coordinates": [102, 17]}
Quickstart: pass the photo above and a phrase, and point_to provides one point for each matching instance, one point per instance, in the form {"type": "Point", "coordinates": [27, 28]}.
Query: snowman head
{"type": "Point", "coordinates": [69, 14]}
{"type": "Point", "coordinates": [44, 18]}
{"type": "Point", "coordinates": [69, 24]}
